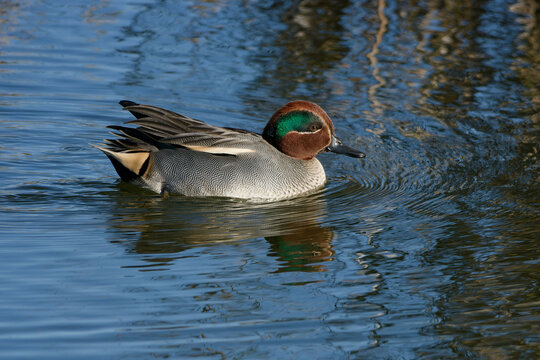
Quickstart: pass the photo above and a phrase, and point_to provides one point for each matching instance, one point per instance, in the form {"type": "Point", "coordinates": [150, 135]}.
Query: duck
{"type": "Point", "coordinates": [170, 153]}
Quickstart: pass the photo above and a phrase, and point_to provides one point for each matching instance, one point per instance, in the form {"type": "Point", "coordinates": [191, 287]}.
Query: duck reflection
{"type": "Point", "coordinates": [149, 224]}
{"type": "Point", "coordinates": [305, 248]}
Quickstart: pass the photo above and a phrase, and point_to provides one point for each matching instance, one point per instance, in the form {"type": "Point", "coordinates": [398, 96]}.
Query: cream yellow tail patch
{"type": "Point", "coordinates": [133, 161]}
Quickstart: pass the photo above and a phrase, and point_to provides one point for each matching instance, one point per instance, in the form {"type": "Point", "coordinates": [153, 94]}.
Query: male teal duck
{"type": "Point", "coordinates": [172, 153]}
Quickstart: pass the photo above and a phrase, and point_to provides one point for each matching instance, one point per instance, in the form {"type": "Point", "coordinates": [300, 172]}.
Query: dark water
{"type": "Point", "coordinates": [428, 248]}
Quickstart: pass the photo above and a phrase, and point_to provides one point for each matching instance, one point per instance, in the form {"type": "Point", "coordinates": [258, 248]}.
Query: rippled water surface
{"type": "Point", "coordinates": [427, 248]}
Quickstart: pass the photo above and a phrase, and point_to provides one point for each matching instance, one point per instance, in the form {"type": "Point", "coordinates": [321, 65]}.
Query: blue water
{"type": "Point", "coordinates": [427, 248]}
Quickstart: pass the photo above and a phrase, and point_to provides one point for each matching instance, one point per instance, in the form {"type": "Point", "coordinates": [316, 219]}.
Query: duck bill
{"type": "Point", "coordinates": [336, 146]}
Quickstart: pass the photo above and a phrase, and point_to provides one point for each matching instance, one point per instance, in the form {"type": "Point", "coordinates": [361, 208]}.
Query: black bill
{"type": "Point", "coordinates": [336, 146]}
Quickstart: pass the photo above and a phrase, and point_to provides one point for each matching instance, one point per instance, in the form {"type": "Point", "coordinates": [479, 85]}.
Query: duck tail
{"type": "Point", "coordinates": [129, 164]}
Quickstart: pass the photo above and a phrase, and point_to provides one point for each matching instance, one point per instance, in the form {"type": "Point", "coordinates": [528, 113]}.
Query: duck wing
{"type": "Point", "coordinates": [160, 128]}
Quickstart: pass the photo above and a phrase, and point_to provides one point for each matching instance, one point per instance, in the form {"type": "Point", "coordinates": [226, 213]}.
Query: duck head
{"type": "Point", "coordinates": [302, 129]}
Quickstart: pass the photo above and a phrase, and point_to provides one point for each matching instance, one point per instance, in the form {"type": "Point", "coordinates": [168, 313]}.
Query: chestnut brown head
{"type": "Point", "coordinates": [302, 129]}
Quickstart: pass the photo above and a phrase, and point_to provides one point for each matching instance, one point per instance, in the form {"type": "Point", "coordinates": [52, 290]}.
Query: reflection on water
{"type": "Point", "coordinates": [307, 45]}
{"type": "Point", "coordinates": [426, 249]}
{"type": "Point", "coordinates": [170, 225]}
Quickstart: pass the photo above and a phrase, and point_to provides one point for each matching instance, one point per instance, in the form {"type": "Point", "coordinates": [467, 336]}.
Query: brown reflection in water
{"type": "Point", "coordinates": [310, 44]}
{"type": "Point", "coordinates": [149, 224]}
{"type": "Point", "coordinates": [377, 107]}
{"type": "Point", "coordinates": [99, 13]}
{"type": "Point", "coordinates": [527, 67]}
{"type": "Point", "coordinates": [451, 38]}
{"type": "Point", "coordinates": [10, 11]}
{"type": "Point", "coordinates": [372, 56]}
{"type": "Point", "coordinates": [529, 44]}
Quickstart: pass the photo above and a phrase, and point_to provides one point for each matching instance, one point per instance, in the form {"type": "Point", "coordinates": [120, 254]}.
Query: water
{"type": "Point", "coordinates": [427, 248]}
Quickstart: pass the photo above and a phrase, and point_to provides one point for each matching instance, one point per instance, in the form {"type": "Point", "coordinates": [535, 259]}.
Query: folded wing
{"type": "Point", "coordinates": [159, 128]}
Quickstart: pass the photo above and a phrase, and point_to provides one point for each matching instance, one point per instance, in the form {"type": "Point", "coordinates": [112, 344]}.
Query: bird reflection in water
{"type": "Point", "coordinates": [152, 225]}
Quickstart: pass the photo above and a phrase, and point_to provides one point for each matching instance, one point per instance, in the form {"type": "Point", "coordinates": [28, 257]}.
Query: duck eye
{"type": "Point", "coordinates": [314, 127]}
